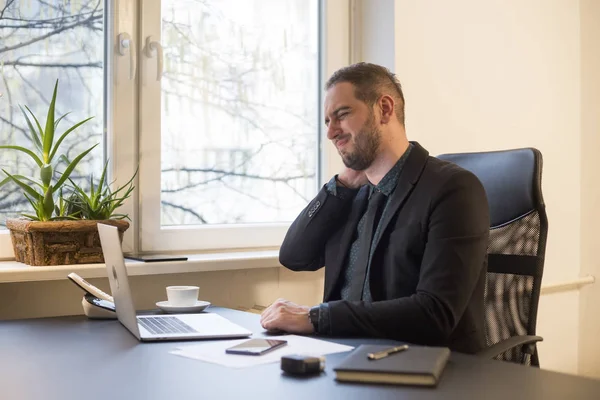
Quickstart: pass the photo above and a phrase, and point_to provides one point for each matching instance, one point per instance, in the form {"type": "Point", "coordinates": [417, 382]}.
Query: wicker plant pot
{"type": "Point", "coordinates": [59, 242]}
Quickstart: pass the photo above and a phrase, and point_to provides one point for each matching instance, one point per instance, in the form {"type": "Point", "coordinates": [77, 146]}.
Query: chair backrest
{"type": "Point", "coordinates": [518, 229]}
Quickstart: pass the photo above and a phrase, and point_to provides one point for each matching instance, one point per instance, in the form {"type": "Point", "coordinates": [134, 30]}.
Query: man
{"type": "Point", "coordinates": [402, 235]}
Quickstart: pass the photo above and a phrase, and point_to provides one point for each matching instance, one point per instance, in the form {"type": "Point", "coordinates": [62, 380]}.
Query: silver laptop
{"type": "Point", "coordinates": [156, 327]}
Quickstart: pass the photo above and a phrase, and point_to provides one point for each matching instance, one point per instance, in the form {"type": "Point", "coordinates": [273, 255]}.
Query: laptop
{"type": "Point", "coordinates": [157, 327]}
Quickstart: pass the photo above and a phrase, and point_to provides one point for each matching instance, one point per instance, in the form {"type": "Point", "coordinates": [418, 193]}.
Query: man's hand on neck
{"type": "Point", "coordinates": [351, 178]}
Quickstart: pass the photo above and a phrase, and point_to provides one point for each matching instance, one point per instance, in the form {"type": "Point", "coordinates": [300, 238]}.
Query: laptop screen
{"type": "Point", "coordinates": [117, 277]}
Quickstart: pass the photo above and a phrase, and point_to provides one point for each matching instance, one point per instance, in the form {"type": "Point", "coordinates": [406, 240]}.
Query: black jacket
{"type": "Point", "coordinates": [428, 269]}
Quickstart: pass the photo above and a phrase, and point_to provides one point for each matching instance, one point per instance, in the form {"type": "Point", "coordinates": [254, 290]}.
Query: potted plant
{"type": "Point", "coordinates": [62, 229]}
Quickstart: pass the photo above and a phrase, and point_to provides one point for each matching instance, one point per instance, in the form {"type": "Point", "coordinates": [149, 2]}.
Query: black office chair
{"type": "Point", "coordinates": [518, 228]}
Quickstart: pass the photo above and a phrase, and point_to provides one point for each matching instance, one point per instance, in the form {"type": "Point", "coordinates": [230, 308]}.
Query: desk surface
{"type": "Point", "coordinates": [75, 358]}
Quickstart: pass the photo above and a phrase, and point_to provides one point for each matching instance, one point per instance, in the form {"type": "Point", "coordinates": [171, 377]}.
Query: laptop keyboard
{"type": "Point", "coordinates": [158, 325]}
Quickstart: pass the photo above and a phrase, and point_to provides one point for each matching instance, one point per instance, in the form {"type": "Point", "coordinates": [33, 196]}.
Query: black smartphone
{"type": "Point", "coordinates": [107, 305]}
{"type": "Point", "coordinates": [155, 257]}
{"type": "Point", "coordinates": [256, 347]}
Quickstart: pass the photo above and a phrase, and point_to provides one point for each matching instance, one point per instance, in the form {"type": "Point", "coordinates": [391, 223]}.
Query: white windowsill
{"type": "Point", "coordinates": [12, 271]}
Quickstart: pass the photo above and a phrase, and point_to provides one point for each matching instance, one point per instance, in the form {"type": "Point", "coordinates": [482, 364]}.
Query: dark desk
{"type": "Point", "coordinates": [75, 358]}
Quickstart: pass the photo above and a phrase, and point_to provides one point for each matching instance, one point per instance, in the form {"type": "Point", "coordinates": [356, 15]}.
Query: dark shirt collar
{"type": "Point", "coordinates": [390, 180]}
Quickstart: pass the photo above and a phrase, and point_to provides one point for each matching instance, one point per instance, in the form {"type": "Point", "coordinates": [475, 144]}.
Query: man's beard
{"type": "Point", "coordinates": [366, 146]}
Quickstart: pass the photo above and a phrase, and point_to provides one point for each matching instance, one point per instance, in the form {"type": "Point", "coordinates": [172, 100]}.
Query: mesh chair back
{"type": "Point", "coordinates": [518, 229]}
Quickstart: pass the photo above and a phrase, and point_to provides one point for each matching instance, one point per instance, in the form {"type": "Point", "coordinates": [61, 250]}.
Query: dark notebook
{"type": "Point", "coordinates": [417, 365]}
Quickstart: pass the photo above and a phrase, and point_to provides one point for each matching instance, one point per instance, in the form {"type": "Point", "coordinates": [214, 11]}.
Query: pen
{"type": "Point", "coordinates": [385, 353]}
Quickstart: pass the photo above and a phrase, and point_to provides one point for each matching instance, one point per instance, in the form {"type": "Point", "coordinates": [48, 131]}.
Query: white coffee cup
{"type": "Point", "coordinates": [182, 296]}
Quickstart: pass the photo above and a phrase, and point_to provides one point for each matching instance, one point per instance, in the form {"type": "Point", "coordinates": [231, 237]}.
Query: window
{"type": "Point", "coordinates": [231, 125]}
{"type": "Point", "coordinates": [40, 42]}
{"type": "Point", "coordinates": [218, 102]}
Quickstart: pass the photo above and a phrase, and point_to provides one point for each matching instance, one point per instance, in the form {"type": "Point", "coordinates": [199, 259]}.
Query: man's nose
{"type": "Point", "coordinates": [333, 130]}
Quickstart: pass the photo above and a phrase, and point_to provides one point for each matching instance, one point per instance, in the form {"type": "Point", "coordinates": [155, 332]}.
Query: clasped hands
{"type": "Point", "coordinates": [287, 316]}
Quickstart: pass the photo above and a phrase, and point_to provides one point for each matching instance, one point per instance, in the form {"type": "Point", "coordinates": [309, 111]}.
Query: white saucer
{"type": "Point", "coordinates": [198, 307]}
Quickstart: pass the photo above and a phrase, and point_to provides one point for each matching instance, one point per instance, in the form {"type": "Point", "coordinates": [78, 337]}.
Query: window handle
{"type": "Point", "coordinates": [125, 43]}
{"type": "Point", "coordinates": [151, 46]}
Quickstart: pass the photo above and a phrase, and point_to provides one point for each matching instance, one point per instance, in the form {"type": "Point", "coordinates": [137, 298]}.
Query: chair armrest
{"type": "Point", "coordinates": [508, 344]}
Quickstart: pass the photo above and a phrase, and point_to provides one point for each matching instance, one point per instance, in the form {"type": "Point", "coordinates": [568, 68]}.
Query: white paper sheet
{"type": "Point", "coordinates": [214, 351]}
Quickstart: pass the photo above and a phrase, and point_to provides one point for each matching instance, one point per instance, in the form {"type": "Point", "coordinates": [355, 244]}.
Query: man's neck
{"type": "Point", "coordinates": [388, 157]}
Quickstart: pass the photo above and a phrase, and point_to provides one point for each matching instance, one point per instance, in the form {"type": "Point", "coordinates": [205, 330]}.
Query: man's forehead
{"type": "Point", "coordinates": [339, 94]}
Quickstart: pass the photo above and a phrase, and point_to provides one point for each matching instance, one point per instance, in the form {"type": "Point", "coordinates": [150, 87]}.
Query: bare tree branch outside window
{"type": "Point", "coordinates": [239, 110]}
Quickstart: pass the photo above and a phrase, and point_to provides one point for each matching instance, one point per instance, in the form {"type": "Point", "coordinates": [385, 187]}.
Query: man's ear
{"type": "Point", "coordinates": [387, 106]}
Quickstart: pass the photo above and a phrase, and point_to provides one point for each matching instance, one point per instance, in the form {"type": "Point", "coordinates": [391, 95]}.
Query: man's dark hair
{"type": "Point", "coordinates": [371, 81]}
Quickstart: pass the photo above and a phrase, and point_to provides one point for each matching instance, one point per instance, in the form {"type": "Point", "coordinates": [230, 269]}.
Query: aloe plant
{"type": "Point", "coordinates": [41, 192]}
{"type": "Point", "coordinates": [101, 202]}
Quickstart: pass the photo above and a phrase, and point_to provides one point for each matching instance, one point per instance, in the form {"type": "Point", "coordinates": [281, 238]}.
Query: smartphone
{"type": "Point", "coordinates": [155, 257]}
{"type": "Point", "coordinates": [107, 305]}
{"type": "Point", "coordinates": [256, 347]}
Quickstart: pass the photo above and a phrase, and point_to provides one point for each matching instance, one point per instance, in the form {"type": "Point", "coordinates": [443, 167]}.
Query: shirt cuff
{"type": "Point", "coordinates": [339, 191]}
{"type": "Point", "coordinates": [324, 319]}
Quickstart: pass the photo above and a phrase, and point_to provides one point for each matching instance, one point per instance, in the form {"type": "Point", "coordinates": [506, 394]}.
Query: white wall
{"type": "Point", "coordinates": [371, 41]}
{"type": "Point", "coordinates": [589, 317]}
{"type": "Point", "coordinates": [498, 74]}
